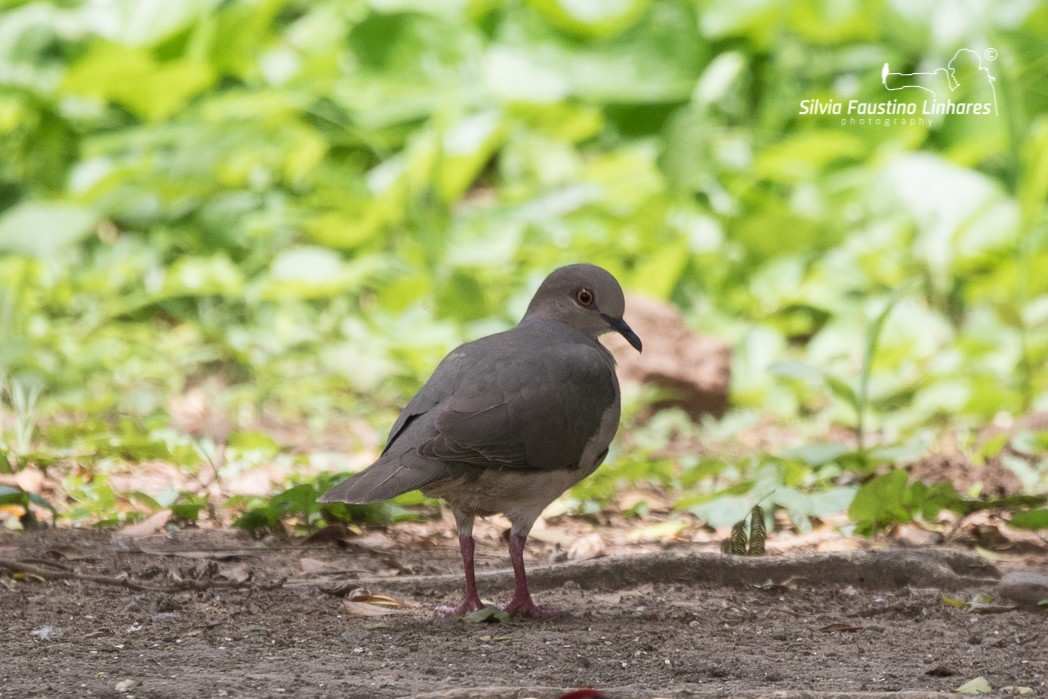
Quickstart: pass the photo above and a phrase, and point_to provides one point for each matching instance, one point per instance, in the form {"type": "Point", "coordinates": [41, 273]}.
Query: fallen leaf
{"type": "Point", "coordinates": [489, 615]}
{"type": "Point", "coordinates": [954, 602]}
{"type": "Point", "coordinates": [1016, 689]}
{"type": "Point", "coordinates": [19, 575]}
{"type": "Point", "coordinates": [986, 608]}
{"type": "Point", "coordinates": [365, 609]}
{"type": "Point", "coordinates": [552, 536]}
{"type": "Point", "coordinates": [989, 555]}
{"type": "Point", "coordinates": [315, 566]}
{"type": "Point", "coordinates": [148, 526]}
{"type": "Point", "coordinates": [375, 541]}
{"type": "Point", "coordinates": [368, 597]}
{"type": "Point", "coordinates": [30, 479]}
{"type": "Point", "coordinates": [237, 573]}
{"type": "Point", "coordinates": [661, 531]}
{"type": "Point", "coordinates": [587, 547]}
{"type": "Point", "coordinates": [978, 685]}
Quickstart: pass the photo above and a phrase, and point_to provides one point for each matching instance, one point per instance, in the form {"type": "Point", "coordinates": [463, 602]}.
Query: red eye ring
{"type": "Point", "coordinates": [584, 297]}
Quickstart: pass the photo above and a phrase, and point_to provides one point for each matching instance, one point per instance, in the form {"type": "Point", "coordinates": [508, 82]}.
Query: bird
{"type": "Point", "coordinates": [509, 422]}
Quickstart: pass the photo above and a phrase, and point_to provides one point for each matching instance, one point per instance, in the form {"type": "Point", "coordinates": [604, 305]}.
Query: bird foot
{"type": "Point", "coordinates": [468, 605]}
{"type": "Point", "coordinates": [526, 607]}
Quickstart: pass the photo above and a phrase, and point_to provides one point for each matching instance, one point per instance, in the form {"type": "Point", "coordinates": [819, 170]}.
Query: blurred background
{"type": "Point", "coordinates": [235, 236]}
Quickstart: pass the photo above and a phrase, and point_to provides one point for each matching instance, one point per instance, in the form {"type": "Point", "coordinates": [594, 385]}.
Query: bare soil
{"type": "Point", "coordinates": [215, 613]}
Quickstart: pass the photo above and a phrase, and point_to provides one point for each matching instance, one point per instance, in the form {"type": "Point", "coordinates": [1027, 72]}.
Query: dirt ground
{"type": "Point", "coordinates": [215, 613]}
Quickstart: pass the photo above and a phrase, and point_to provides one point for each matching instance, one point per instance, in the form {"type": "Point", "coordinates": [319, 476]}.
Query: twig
{"type": "Point", "coordinates": [192, 585]}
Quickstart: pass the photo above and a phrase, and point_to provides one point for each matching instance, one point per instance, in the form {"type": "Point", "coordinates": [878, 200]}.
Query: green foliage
{"type": "Point", "coordinates": [23, 500]}
{"type": "Point", "coordinates": [315, 201]}
{"type": "Point", "coordinates": [298, 504]}
{"type": "Point", "coordinates": [890, 499]}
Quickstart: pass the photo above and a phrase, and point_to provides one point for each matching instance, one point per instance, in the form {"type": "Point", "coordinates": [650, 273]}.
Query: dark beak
{"type": "Point", "coordinates": [620, 326]}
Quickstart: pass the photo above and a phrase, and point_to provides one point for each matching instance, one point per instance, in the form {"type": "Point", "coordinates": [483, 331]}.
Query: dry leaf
{"type": "Point", "coordinates": [315, 566]}
{"type": "Point", "coordinates": [987, 608]}
{"type": "Point", "coordinates": [365, 609]}
{"type": "Point", "coordinates": [552, 536]}
{"type": "Point", "coordinates": [148, 526]}
{"type": "Point", "coordinates": [955, 602]}
{"type": "Point", "coordinates": [661, 531]}
{"type": "Point", "coordinates": [30, 479]}
{"type": "Point", "coordinates": [368, 597]}
{"type": "Point", "coordinates": [587, 547]}
{"type": "Point", "coordinates": [376, 541]}
{"type": "Point", "coordinates": [238, 573]}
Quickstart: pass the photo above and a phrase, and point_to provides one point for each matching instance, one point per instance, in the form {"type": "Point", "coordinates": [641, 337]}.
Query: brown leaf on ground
{"type": "Point", "coordinates": [315, 566]}
{"type": "Point", "coordinates": [148, 526]}
{"type": "Point", "coordinates": [987, 529]}
{"type": "Point", "coordinates": [368, 597]}
{"type": "Point", "coordinates": [587, 547]}
{"type": "Point", "coordinates": [31, 480]}
{"type": "Point", "coordinates": [237, 572]}
{"type": "Point", "coordinates": [365, 609]}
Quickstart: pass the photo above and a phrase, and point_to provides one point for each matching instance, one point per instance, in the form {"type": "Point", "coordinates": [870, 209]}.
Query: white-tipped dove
{"type": "Point", "coordinates": [509, 422]}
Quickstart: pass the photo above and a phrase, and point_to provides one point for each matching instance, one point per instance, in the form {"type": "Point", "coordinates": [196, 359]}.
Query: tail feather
{"type": "Point", "coordinates": [381, 481]}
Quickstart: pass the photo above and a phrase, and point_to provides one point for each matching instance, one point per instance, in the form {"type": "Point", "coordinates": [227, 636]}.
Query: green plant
{"type": "Point", "coordinates": [298, 507]}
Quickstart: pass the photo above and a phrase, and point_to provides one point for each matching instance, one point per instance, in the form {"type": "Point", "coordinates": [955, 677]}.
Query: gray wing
{"type": "Point", "coordinates": [532, 405]}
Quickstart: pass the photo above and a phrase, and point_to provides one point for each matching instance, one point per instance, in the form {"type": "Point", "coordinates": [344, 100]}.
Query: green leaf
{"type": "Point", "coordinates": [488, 615]}
{"type": "Point", "coordinates": [978, 685]}
{"type": "Point", "coordinates": [44, 229]}
{"type": "Point", "coordinates": [1030, 519]}
{"type": "Point", "coordinates": [132, 78]}
{"type": "Point", "coordinates": [880, 502]}
{"type": "Point", "coordinates": [591, 18]}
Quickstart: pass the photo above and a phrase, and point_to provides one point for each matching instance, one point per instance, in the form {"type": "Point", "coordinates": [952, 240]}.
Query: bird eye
{"type": "Point", "coordinates": [584, 297]}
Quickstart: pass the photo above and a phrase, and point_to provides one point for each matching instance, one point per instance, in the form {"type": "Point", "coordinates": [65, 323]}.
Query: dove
{"type": "Point", "coordinates": [509, 422]}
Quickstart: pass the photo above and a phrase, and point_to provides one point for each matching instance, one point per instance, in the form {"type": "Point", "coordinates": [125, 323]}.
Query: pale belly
{"type": "Point", "coordinates": [520, 495]}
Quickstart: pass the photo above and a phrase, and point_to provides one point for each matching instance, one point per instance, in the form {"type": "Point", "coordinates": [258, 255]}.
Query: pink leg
{"type": "Point", "coordinates": [522, 604]}
{"type": "Point", "coordinates": [472, 601]}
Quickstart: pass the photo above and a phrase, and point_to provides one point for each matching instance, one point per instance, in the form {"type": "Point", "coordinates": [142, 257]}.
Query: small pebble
{"type": "Point", "coordinates": [1024, 587]}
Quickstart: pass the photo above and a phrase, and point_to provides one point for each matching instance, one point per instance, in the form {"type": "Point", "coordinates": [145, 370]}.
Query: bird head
{"type": "Point", "coordinates": [585, 297]}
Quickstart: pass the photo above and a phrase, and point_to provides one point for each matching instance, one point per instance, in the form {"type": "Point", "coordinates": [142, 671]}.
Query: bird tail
{"type": "Point", "coordinates": [382, 480]}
